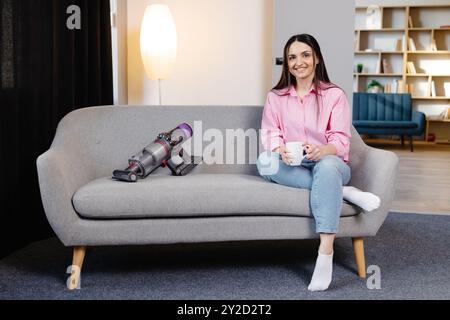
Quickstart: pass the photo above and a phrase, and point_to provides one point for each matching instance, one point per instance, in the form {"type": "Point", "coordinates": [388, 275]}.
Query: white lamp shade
{"type": "Point", "coordinates": [158, 41]}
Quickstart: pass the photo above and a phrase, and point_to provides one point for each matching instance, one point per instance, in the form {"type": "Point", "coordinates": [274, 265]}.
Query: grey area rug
{"type": "Point", "coordinates": [411, 250]}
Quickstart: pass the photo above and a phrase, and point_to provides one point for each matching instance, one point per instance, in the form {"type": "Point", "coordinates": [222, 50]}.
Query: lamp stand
{"type": "Point", "coordinates": [159, 94]}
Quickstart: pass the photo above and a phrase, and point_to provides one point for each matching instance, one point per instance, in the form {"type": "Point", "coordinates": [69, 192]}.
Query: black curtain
{"type": "Point", "coordinates": [47, 71]}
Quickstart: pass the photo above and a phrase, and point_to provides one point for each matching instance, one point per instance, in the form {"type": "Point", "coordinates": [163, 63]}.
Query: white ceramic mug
{"type": "Point", "coordinates": [297, 152]}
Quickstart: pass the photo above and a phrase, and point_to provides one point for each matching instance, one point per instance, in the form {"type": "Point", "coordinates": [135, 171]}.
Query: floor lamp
{"type": "Point", "coordinates": [158, 43]}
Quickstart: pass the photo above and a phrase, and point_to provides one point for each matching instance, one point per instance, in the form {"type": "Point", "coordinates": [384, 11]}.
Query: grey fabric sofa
{"type": "Point", "coordinates": [214, 203]}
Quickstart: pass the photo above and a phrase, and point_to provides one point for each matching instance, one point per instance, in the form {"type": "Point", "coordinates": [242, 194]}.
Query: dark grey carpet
{"type": "Point", "coordinates": [411, 250]}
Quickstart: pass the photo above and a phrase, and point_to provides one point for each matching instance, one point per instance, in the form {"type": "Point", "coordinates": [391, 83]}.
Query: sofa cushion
{"type": "Point", "coordinates": [384, 124]}
{"type": "Point", "coordinates": [195, 195]}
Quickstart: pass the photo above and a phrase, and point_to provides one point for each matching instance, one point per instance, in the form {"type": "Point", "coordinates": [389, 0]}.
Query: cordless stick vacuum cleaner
{"type": "Point", "coordinates": [166, 150]}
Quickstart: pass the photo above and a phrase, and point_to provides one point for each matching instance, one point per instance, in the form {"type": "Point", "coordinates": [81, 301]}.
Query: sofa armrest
{"type": "Point", "coordinates": [419, 118]}
{"type": "Point", "coordinates": [60, 176]}
{"type": "Point", "coordinates": [375, 170]}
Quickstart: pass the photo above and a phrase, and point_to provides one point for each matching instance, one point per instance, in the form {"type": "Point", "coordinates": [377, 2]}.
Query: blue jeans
{"type": "Point", "coordinates": [324, 178]}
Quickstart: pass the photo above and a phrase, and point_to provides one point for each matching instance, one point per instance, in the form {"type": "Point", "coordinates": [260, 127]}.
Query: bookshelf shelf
{"type": "Point", "coordinates": [378, 52]}
{"type": "Point", "coordinates": [409, 53]}
{"type": "Point", "coordinates": [429, 52]}
{"type": "Point", "coordinates": [378, 74]}
{"type": "Point", "coordinates": [381, 30]}
{"type": "Point", "coordinates": [431, 98]}
{"type": "Point", "coordinates": [438, 120]}
{"type": "Point", "coordinates": [428, 75]}
{"type": "Point", "coordinates": [429, 29]}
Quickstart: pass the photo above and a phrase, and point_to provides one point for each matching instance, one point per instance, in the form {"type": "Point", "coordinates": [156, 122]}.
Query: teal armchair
{"type": "Point", "coordinates": [387, 114]}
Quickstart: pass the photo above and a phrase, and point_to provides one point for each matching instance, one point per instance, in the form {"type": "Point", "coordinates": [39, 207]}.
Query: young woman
{"type": "Point", "coordinates": [305, 106]}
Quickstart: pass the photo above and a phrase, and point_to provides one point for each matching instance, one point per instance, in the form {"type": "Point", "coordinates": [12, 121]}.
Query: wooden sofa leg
{"type": "Point", "coordinates": [77, 264]}
{"type": "Point", "coordinates": [411, 143]}
{"type": "Point", "coordinates": [403, 140]}
{"type": "Point", "coordinates": [358, 247]}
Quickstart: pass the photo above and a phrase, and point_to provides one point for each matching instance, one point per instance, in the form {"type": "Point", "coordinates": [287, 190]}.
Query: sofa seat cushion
{"type": "Point", "coordinates": [194, 195]}
{"type": "Point", "coordinates": [384, 124]}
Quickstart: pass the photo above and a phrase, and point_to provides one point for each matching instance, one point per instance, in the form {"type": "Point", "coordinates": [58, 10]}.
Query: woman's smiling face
{"type": "Point", "coordinates": [301, 61]}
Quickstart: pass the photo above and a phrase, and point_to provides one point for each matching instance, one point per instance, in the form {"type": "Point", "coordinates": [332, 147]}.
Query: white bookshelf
{"type": "Point", "coordinates": [430, 56]}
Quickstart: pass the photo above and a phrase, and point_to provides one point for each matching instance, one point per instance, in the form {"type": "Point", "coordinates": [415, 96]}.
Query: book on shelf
{"type": "Point", "coordinates": [404, 43]}
{"type": "Point", "coordinates": [433, 89]}
{"type": "Point", "coordinates": [433, 46]}
{"type": "Point", "coordinates": [412, 45]}
{"type": "Point", "coordinates": [444, 115]}
{"type": "Point", "coordinates": [428, 94]}
{"type": "Point", "coordinates": [410, 89]}
{"type": "Point", "coordinates": [398, 45]}
{"type": "Point", "coordinates": [386, 67]}
{"type": "Point", "coordinates": [387, 88]}
{"type": "Point", "coordinates": [447, 89]}
{"type": "Point", "coordinates": [411, 68]}
{"type": "Point", "coordinates": [447, 113]}
{"type": "Point", "coordinates": [378, 69]}
{"type": "Point", "coordinates": [410, 23]}
{"type": "Point", "coordinates": [400, 86]}
{"type": "Point", "coordinates": [356, 42]}
{"type": "Point", "coordinates": [394, 86]}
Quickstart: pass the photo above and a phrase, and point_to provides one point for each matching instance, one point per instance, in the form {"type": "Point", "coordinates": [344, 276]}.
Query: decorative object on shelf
{"type": "Point", "coordinates": [431, 137]}
{"type": "Point", "coordinates": [374, 87]}
{"type": "Point", "coordinates": [359, 67]}
{"type": "Point", "coordinates": [373, 19]}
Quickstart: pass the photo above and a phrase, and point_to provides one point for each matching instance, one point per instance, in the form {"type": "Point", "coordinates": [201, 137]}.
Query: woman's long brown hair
{"type": "Point", "coordinates": [320, 74]}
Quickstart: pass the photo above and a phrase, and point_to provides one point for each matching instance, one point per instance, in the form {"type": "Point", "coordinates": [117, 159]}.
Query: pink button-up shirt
{"type": "Point", "coordinates": [286, 118]}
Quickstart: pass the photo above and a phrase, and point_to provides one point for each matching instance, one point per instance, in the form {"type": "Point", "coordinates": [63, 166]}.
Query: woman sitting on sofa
{"type": "Point", "coordinates": [306, 107]}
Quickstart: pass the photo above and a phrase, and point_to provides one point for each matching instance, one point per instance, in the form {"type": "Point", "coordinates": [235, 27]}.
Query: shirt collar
{"type": "Point", "coordinates": [291, 91]}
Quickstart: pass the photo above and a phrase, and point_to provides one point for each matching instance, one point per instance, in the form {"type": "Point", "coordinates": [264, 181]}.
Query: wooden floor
{"type": "Point", "coordinates": [423, 184]}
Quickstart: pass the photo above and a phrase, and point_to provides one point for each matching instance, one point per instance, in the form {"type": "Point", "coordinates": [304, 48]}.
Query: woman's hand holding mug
{"type": "Point", "coordinates": [314, 153]}
{"type": "Point", "coordinates": [285, 155]}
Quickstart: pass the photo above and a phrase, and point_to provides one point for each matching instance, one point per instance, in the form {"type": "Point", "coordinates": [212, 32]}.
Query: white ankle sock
{"type": "Point", "coordinates": [366, 200]}
{"type": "Point", "coordinates": [323, 273]}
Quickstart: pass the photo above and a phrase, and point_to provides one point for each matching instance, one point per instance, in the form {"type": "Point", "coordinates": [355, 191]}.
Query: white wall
{"type": "Point", "coordinates": [336, 39]}
{"type": "Point", "coordinates": [224, 53]}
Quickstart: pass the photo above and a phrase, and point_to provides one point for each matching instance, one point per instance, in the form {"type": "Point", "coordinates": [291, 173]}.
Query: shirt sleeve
{"type": "Point", "coordinates": [338, 129]}
{"type": "Point", "coordinates": [271, 134]}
